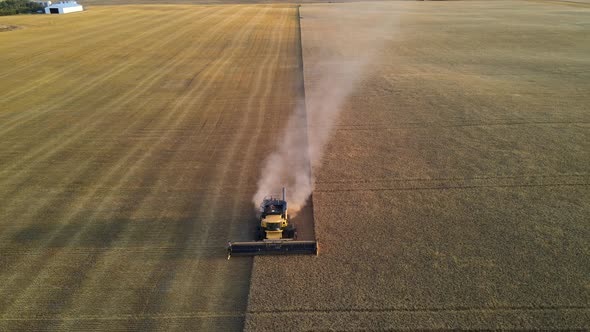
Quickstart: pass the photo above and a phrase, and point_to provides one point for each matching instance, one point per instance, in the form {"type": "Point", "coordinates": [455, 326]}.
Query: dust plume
{"type": "Point", "coordinates": [339, 44]}
{"type": "Point", "coordinates": [289, 165]}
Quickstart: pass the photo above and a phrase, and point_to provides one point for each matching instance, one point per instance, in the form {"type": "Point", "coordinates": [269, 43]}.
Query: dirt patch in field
{"type": "Point", "coordinates": [5, 28]}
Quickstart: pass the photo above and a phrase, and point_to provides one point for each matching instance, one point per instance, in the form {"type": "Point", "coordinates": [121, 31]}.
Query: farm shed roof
{"type": "Point", "coordinates": [65, 4]}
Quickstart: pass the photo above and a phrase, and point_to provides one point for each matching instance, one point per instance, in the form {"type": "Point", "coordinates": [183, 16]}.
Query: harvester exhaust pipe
{"type": "Point", "coordinates": [284, 194]}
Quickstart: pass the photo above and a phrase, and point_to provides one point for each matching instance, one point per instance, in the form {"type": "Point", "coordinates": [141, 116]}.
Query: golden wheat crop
{"type": "Point", "coordinates": [130, 143]}
{"type": "Point", "coordinates": [455, 191]}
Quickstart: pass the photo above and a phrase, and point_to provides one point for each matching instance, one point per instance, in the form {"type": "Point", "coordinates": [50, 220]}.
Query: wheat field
{"type": "Point", "coordinates": [130, 144]}
{"type": "Point", "coordinates": [455, 192]}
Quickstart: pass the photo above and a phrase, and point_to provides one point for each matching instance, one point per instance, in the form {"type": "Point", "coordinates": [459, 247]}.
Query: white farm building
{"type": "Point", "coordinates": [64, 7]}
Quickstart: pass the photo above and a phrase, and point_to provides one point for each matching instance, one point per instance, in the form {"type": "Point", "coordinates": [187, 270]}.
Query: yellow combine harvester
{"type": "Point", "coordinates": [275, 235]}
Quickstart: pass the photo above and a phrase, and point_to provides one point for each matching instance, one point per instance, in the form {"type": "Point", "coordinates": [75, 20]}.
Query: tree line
{"type": "Point", "coordinates": [13, 7]}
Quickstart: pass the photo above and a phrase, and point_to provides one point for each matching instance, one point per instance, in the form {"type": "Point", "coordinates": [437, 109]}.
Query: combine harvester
{"type": "Point", "coordinates": [275, 235]}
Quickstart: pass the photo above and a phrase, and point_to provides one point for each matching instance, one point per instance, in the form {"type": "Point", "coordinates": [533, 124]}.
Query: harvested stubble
{"type": "Point", "coordinates": [130, 143]}
{"type": "Point", "coordinates": [455, 192]}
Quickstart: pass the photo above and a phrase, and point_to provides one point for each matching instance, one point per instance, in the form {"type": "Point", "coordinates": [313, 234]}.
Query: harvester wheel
{"type": "Point", "coordinates": [259, 234]}
{"type": "Point", "coordinates": [289, 232]}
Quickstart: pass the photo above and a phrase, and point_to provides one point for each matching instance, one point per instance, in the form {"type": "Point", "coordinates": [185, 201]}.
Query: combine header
{"type": "Point", "coordinates": [275, 235]}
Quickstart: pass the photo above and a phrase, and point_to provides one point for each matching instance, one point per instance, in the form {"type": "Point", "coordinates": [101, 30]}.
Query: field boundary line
{"type": "Point", "coordinates": [200, 314]}
{"type": "Point", "coordinates": [421, 126]}
{"type": "Point", "coordinates": [385, 310]}
{"type": "Point", "coordinates": [453, 178]}
{"type": "Point", "coordinates": [563, 2]}
{"type": "Point", "coordinates": [443, 187]}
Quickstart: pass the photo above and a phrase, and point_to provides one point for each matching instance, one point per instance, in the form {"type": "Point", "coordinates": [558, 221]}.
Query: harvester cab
{"type": "Point", "coordinates": [275, 234]}
{"type": "Point", "coordinates": [274, 220]}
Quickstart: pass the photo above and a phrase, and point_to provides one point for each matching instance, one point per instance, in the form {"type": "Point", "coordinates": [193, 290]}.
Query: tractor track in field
{"type": "Point", "coordinates": [123, 163]}
{"type": "Point", "coordinates": [90, 122]}
{"type": "Point", "coordinates": [75, 93]}
{"type": "Point", "coordinates": [83, 169]}
{"type": "Point", "coordinates": [75, 64]}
